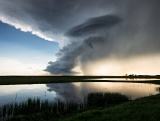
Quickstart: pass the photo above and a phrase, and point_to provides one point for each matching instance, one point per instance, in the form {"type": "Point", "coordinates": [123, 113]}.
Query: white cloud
{"type": "Point", "coordinates": [23, 27]}
{"type": "Point", "coordinates": [15, 67]}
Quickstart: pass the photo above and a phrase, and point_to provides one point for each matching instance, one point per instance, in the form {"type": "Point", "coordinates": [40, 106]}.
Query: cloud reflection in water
{"type": "Point", "coordinates": [77, 91]}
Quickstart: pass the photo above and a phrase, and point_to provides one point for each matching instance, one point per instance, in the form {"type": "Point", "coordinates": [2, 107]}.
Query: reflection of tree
{"type": "Point", "coordinates": [158, 89]}
{"type": "Point", "coordinates": [132, 76]}
{"type": "Point", "coordinates": [126, 75]}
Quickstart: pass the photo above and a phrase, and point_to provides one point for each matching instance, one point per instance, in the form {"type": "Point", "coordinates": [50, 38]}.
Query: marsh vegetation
{"type": "Point", "coordinates": [93, 106]}
{"type": "Point", "coordinates": [45, 110]}
{"type": "Point", "coordinates": [142, 109]}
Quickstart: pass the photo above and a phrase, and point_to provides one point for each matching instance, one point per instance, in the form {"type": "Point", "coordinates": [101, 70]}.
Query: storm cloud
{"type": "Point", "coordinates": [48, 19]}
{"type": "Point", "coordinates": [94, 25]}
{"type": "Point", "coordinates": [88, 30]}
{"type": "Point", "coordinates": [126, 34]}
{"type": "Point", "coordinates": [88, 49]}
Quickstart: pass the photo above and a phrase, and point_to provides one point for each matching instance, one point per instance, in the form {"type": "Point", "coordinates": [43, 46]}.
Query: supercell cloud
{"type": "Point", "coordinates": [88, 30]}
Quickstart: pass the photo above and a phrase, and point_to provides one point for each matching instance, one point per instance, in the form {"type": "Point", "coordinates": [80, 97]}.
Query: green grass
{"type": "Point", "coordinates": [144, 109]}
{"type": "Point", "coordinates": [8, 80]}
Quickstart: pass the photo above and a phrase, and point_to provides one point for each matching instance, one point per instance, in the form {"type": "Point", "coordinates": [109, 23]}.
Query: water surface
{"type": "Point", "coordinates": [77, 91]}
{"type": "Point", "coordinates": [73, 91]}
{"type": "Point", "coordinates": [17, 93]}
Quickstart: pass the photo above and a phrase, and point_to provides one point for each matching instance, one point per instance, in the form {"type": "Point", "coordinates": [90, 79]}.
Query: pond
{"type": "Point", "coordinates": [73, 91]}
{"type": "Point", "coordinates": [18, 93]}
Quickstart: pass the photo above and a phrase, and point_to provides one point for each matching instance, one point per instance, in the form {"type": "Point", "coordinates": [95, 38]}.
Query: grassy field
{"type": "Point", "coordinates": [144, 109]}
{"type": "Point", "coordinates": [8, 80]}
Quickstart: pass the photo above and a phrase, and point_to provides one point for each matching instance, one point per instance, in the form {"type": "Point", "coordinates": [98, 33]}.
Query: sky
{"type": "Point", "coordinates": [23, 53]}
{"type": "Point", "coordinates": [79, 37]}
